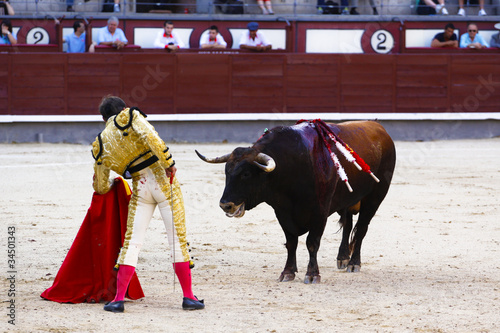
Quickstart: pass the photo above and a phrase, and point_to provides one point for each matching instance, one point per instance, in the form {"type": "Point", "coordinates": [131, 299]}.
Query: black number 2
{"type": "Point", "coordinates": [38, 36]}
{"type": "Point", "coordinates": [382, 38]}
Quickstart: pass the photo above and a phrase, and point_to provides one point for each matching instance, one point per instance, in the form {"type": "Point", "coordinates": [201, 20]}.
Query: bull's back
{"type": "Point", "coordinates": [368, 130]}
{"type": "Point", "coordinates": [370, 140]}
{"type": "Point", "coordinates": [373, 144]}
{"type": "Point", "coordinates": [304, 153]}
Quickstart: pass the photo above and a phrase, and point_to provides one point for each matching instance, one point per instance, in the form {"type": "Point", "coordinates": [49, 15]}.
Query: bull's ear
{"type": "Point", "coordinates": [265, 162]}
{"type": "Point", "coordinates": [220, 159]}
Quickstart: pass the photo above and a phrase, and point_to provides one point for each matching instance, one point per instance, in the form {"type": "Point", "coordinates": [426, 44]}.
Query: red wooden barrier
{"type": "Point", "coordinates": [183, 83]}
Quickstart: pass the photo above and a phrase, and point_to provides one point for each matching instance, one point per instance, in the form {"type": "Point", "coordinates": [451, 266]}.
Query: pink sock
{"type": "Point", "coordinates": [125, 274]}
{"type": "Point", "coordinates": [183, 273]}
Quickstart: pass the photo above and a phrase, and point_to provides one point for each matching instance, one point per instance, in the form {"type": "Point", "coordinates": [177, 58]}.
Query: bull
{"type": "Point", "coordinates": [290, 169]}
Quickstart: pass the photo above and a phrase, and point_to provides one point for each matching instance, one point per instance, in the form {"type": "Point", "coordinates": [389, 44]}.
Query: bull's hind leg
{"type": "Point", "coordinates": [344, 254]}
{"type": "Point", "coordinates": [369, 206]}
{"type": "Point", "coordinates": [359, 233]}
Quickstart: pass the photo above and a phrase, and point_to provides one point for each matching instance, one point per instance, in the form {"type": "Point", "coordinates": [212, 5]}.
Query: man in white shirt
{"type": "Point", "coordinates": [168, 38]}
{"type": "Point", "coordinates": [212, 40]}
{"type": "Point", "coordinates": [112, 35]}
{"type": "Point", "coordinates": [254, 40]}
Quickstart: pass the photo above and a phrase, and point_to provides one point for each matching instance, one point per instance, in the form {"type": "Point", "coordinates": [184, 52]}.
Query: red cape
{"type": "Point", "coordinates": [87, 273]}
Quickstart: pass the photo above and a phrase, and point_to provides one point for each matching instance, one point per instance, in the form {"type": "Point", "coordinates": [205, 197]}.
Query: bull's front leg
{"type": "Point", "coordinates": [290, 269]}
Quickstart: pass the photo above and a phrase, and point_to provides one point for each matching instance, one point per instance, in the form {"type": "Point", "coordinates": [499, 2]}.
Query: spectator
{"type": "Point", "coordinates": [168, 39]}
{"type": "Point", "coordinates": [431, 7]}
{"type": "Point", "coordinates": [495, 39]}
{"type": "Point", "coordinates": [6, 36]}
{"type": "Point", "coordinates": [112, 35]}
{"type": "Point", "coordinates": [472, 39]}
{"type": "Point", "coordinates": [254, 40]}
{"type": "Point", "coordinates": [213, 40]}
{"type": "Point", "coordinates": [461, 11]}
{"type": "Point", "coordinates": [6, 8]}
{"type": "Point", "coordinates": [448, 38]}
{"type": "Point", "coordinates": [76, 40]}
{"type": "Point", "coordinates": [266, 7]}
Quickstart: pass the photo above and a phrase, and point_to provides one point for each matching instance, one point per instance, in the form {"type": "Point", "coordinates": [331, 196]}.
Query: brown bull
{"type": "Point", "coordinates": [290, 169]}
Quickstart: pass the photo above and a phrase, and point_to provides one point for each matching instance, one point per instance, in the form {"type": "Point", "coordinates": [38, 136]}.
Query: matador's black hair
{"type": "Point", "coordinates": [110, 106]}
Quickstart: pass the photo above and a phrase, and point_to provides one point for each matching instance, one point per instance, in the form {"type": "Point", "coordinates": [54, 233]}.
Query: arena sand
{"type": "Point", "coordinates": [430, 260]}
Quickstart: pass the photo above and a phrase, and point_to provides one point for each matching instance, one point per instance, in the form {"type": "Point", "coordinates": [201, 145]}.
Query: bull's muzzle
{"type": "Point", "coordinates": [233, 210]}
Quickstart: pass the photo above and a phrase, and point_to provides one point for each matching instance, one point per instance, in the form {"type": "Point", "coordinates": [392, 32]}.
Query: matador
{"type": "Point", "coordinates": [130, 146]}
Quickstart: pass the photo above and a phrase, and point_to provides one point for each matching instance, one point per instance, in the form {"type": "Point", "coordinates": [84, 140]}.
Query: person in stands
{"type": "Point", "coordinates": [6, 35]}
{"type": "Point", "coordinates": [448, 38]}
{"type": "Point", "coordinates": [254, 40]}
{"type": "Point", "coordinates": [472, 39]}
{"type": "Point", "coordinates": [213, 39]}
{"type": "Point", "coordinates": [168, 39]}
{"type": "Point", "coordinates": [111, 35]}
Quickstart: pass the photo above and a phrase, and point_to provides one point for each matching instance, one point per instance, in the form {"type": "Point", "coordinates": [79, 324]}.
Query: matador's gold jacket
{"type": "Point", "coordinates": [127, 140]}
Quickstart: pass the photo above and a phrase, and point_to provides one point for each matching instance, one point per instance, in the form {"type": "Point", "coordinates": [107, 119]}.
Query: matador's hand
{"type": "Point", "coordinates": [171, 171]}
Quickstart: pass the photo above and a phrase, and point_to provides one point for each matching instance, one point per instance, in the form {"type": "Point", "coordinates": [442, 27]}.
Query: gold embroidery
{"type": "Point", "coordinates": [132, 207]}
{"type": "Point", "coordinates": [178, 206]}
{"type": "Point", "coordinates": [119, 150]}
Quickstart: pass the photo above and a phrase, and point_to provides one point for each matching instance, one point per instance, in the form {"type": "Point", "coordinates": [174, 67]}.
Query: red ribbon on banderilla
{"type": "Point", "coordinates": [350, 155]}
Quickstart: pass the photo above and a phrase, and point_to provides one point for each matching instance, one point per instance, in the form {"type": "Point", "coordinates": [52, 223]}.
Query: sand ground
{"type": "Point", "coordinates": [430, 260]}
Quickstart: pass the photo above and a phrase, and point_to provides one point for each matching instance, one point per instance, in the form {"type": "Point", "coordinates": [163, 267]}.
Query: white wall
{"type": "Point", "coordinates": [334, 40]}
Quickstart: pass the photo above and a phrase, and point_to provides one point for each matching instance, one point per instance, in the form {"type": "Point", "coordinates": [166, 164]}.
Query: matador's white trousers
{"type": "Point", "coordinates": [148, 195]}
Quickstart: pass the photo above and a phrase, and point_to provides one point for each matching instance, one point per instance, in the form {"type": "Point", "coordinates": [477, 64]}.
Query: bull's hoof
{"type": "Point", "coordinates": [342, 264]}
{"type": "Point", "coordinates": [353, 268]}
{"type": "Point", "coordinates": [286, 277]}
{"type": "Point", "coordinates": [312, 279]}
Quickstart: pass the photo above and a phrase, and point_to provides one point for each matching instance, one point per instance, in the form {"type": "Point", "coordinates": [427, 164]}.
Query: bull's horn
{"type": "Point", "coordinates": [265, 162]}
{"type": "Point", "coordinates": [220, 159]}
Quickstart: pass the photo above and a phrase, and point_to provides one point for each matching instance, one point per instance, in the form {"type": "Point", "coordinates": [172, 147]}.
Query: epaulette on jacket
{"type": "Point", "coordinates": [124, 119]}
{"type": "Point", "coordinates": [97, 149]}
